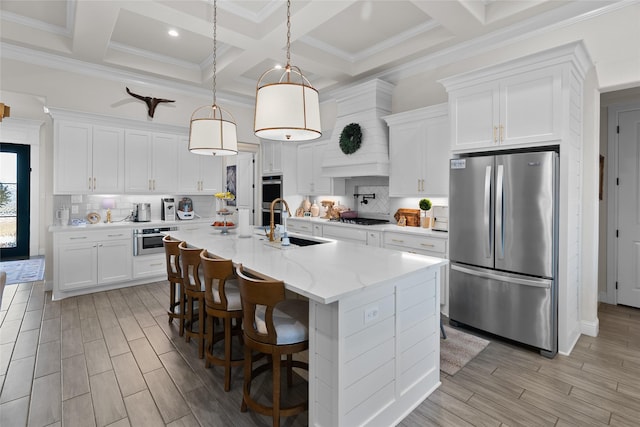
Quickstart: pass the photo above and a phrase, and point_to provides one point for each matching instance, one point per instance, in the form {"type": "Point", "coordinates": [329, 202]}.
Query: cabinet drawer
{"type": "Point", "coordinates": [345, 233]}
{"type": "Point", "coordinates": [149, 266]}
{"type": "Point", "coordinates": [93, 236]}
{"type": "Point", "coordinates": [422, 243]}
{"type": "Point", "coordinates": [301, 226]}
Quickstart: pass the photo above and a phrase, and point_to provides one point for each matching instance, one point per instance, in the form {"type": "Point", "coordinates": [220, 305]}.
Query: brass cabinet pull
{"type": "Point", "coordinates": [427, 245]}
{"type": "Point", "coordinates": [114, 235]}
{"type": "Point", "coordinates": [501, 133]}
{"type": "Point", "coordinates": [397, 240]}
{"type": "Point", "coordinates": [153, 265]}
{"type": "Point", "coordinates": [149, 184]}
{"type": "Point", "coordinates": [418, 184]}
{"type": "Point", "coordinates": [77, 238]}
{"type": "Point", "coordinates": [423, 185]}
{"type": "Point", "coordinates": [94, 182]}
{"type": "Point", "coordinates": [89, 183]}
{"type": "Point", "coordinates": [495, 136]}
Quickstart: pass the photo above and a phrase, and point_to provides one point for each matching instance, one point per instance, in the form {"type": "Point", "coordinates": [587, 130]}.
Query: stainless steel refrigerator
{"type": "Point", "coordinates": [503, 234]}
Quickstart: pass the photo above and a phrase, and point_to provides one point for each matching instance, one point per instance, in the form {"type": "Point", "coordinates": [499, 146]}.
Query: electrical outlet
{"type": "Point", "coordinates": [371, 314]}
{"type": "Point", "coordinates": [76, 198]}
{"type": "Point", "coordinates": [74, 209]}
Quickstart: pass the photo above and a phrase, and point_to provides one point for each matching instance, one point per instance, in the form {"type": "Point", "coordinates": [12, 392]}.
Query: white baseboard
{"type": "Point", "coordinates": [603, 297]}
{"type": "Point", "coordinates": [590, 328]}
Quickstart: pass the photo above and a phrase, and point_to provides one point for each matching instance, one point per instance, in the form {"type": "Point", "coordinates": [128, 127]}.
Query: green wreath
{"type": "Point", "coordinates": [350, 138]}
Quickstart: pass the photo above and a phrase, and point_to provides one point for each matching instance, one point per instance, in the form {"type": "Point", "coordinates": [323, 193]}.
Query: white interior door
{"type": "Point", "coordinates": [629, 208]}
{"type": "Point", "coordinates": [245, 181]}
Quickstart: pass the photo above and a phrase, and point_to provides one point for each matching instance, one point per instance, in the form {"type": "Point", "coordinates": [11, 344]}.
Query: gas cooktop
{"type": "Point", "coordinates": [364, 221]}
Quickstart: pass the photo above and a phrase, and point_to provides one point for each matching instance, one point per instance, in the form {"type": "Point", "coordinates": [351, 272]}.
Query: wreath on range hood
{"type": "Point", "coordinates": [350, 138]}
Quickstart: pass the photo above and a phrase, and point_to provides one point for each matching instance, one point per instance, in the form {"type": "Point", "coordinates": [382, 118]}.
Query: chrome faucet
{"type": "Point", "coordinates": [271, 224]}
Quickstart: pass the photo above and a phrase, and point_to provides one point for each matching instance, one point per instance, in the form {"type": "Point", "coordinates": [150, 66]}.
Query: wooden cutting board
{"type": "Point", "coordinates": [412, 216]}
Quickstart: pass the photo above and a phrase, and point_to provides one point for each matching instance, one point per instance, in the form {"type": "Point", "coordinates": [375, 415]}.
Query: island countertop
{"type": "Point", "coordinates": [324, 272]}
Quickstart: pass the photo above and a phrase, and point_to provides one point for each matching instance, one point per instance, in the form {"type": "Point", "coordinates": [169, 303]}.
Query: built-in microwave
{"type": "Point", "coordinates": [147, 241]}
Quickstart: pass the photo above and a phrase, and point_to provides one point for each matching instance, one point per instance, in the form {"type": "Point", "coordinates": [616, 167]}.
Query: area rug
{"type": "Point", "coordinates": [23, 271]}
{"type": "Point", "coordinates": [458, 349]}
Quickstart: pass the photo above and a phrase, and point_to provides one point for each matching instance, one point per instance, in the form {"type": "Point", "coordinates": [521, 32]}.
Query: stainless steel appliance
{"type": "Point", "coordinates": [185, 209]}
{"type": "Point", "coordinates": [271, 190]}
{"type": "Point", "coordinates": [168, 211]}
{"type": "Point", "coordinates": [147, 241]}
{"type": "Point", "coordinates": [503, 250]}
{"type": "Point", "coordinates": [142, 212]}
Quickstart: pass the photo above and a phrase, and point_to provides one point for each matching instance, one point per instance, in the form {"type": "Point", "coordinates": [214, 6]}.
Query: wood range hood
{"type": "Point", "coordinates": [364, 104]}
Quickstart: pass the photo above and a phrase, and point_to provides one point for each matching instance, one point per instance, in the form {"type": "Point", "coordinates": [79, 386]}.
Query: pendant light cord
{"type": "Point", "coordinates": [288, 34]}
{"type": "Point", "coordinates": [215, 45]}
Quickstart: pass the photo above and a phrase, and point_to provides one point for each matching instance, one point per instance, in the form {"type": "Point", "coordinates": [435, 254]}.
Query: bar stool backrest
{"type": "Point", "coordinates": [172, 252]}
{"type": "Point", "coordinates": [217, 271]}
{"type": "Point", "coordinates": [191, 272]}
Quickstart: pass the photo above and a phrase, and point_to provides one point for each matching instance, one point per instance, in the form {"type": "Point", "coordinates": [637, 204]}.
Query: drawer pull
{"type": "Point", "coordinates": [397, 240]}
{"type": "Point", "coordinates": [154, 265]}
{"type": "Point", "coordinates": [427, 245]}
{"type": "Point", "coordinates": [114, 235]}
{"type": "Point", "coordinates": [77, 238]}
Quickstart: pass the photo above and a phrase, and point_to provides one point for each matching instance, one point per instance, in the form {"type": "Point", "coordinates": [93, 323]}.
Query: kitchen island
{"type": "Point", "coordinates": [374, 318]}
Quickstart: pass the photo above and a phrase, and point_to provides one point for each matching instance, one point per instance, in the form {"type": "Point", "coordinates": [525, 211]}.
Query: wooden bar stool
{"type": "Point", "coordinates": [222, 301]}
{"type": "Point", "coordinates": [275, 326]}
{"type": "Point", "coordinates": [192, 281]}
{"type": "Point", "coordinates": [174, 276]}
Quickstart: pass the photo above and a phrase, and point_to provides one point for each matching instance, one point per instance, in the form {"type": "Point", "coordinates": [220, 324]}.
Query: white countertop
{"type": "Point", "coordinates": [324, 273]}
{"type": "Point", "coordinates": [379, 227]}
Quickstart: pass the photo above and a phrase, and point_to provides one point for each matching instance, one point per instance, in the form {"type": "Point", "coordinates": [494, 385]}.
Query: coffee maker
{"type": "Point", "coordinates": [168, 212]}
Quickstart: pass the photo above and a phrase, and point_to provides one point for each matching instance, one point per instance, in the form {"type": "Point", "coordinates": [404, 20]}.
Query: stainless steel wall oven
{"type": "Point", "coordinates": [147, 241]}
{"type": "Point", "coordinates": [271, 190]}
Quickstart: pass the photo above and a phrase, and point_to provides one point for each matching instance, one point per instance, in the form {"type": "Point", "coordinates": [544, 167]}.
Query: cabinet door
{"type": "Point", "coordinates": [164, 163]}
{"type": "Point", "coordinates": [271, 157]}
{"type": "Point", "coordinates": [321, 184]}
{"type": "Point", "coordinates": [305, 169]}
{"type": "Point", "coordinates": [77, 265]}
{"type": "Point", "coordinates": [405, 154]}
{"type": "Point", "coordinates": [189, 171]}
{"type": "Point", "coordinates": [435, 158]}
{"type": "Point", "coordinates": [211, 172]}
{"type": "Point", "coordinates": [72, 167]}
{"type": "Point", "coordinates": [530, 106]}
{"type": "Point", "coordinates": [474, 114]}
{"type": "Point", "coordinates": [374, 238]}
{"type": "Point", "coordinates": [137, 154]}
{"type": "Point", "coordinates": [114, 261]}
{"type": "Point", "coordinates": [108, 160]}
{"type": "Point", "coordinates": [149, 266]}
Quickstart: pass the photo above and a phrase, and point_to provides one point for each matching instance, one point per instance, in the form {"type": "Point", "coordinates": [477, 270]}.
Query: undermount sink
{"type": "Point", "coordinates": [295, 242]}
{"type": "Point", "coordinates": [298, 241]}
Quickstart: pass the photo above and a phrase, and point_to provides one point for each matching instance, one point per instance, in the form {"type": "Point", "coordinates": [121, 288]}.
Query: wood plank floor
{"type": "Point", "coordinates": [112, 359]}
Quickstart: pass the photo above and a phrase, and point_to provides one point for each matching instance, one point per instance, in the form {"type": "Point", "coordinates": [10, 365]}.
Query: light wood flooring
{"type": "Point", "coordinates": [112, 359]}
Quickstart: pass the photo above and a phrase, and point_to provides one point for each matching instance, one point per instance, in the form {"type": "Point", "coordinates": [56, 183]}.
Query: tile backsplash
{"type": "Point", "coordinates": [379, 205]}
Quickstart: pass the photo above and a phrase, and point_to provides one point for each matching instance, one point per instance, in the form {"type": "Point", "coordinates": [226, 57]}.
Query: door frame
{"type": "Point", "coordinates": [614, 111]}
{"type": "Point", "coordinates": [23, 183]}
{"type": "Point", "coordinates": [27, 132]}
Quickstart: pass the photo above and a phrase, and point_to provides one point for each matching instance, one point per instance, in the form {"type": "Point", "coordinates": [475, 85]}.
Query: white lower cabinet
{"type": "Point", "coordinates": [374, 238]}
{"type": "Point", "coordinates": [423, 245]}
{"type": "Point", "coordinates": [301, 226]}
{"type": "Point", "coordinates": [85, 259]}
{"type": "Point", "coordinates": [149, 266]}
{"type": "Point", "coordinates": [345, 234]}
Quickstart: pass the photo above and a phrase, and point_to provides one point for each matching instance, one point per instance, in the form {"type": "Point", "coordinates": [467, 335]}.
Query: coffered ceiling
{"type": "Point", "coordinates": [335, 42]}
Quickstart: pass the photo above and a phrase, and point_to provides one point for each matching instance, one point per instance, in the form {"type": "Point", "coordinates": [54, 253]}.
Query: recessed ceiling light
{"type": "Point", "coordinates": [173, 33]}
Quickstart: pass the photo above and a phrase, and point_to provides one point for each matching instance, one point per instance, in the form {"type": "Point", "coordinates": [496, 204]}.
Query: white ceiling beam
{"type": "Point", "coordinates": [93, 26]}
{"type": "Point", "coordinates": [454, 15]}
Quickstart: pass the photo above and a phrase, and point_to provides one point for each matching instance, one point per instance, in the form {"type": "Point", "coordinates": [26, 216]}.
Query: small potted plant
{"type": "Point", "coordinates": [425, 205]}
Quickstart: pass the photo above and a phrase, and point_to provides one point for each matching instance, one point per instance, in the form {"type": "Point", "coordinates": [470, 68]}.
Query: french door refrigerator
{"type": "Point", "coordinates": [503, 219]}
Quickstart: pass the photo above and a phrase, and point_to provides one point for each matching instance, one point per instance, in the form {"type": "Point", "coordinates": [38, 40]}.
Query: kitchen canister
{"type": "Point", "coordinates": [315, 209]}
{"type": "Point", "coordinates": [244, 228]}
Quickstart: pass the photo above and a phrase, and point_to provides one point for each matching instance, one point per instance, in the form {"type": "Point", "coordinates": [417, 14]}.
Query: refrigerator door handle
{"type": "Point", "coordinates": [487, 212]}
{"type": "Point", "coordinates": [538, 283]}
{"type": "Point", "coordinates": [500, 212]}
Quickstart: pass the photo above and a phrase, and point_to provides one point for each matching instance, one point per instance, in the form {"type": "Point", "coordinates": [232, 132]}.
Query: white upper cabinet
{"type": "Point", "coordinates": [310, 179]}
{"type": "Point", "coordinates": [150, 162]}
{"type": "Point", "coordinates": [198, 173]}
{"type": "Point", "coordinates": [520, 109]}
{"type": "Point", "coordinates": [419, 152]}
{"type": "Point", "coordinates": [88, 158]}
{"type": "Point", "coordinates": [271, 157]}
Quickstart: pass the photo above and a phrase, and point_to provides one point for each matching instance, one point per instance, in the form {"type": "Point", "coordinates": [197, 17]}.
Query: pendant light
{"type": "Point", "coordinates": [287, 106]}
{"type": "Point", "coordinates": [212, 129]}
